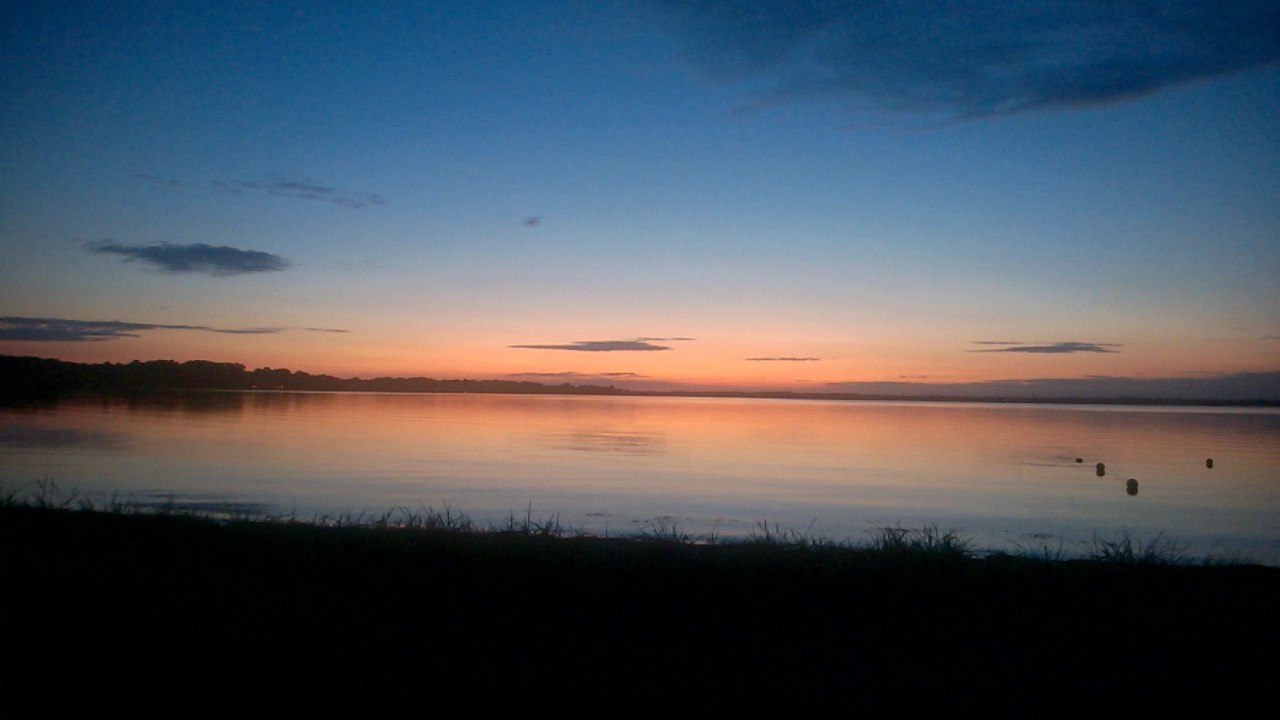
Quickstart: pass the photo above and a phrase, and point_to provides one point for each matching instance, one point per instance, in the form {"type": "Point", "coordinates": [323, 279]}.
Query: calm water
{"type": "Point", "coordinates": [1003, 474]}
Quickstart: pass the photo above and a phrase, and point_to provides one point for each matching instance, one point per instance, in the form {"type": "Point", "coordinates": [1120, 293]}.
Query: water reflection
{"type": "Point", "coordinates": [187, 401]}
{"type": "Point", "coordinates": [218, 402]}
{"type": "Point", "coordinates": [606, 440]}
{"type": "Point", "coordinates": [996, 472]}
{"type": "Point", "coordinates": [36, 436]}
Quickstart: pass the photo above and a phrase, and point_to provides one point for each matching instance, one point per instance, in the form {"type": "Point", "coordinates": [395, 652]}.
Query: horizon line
{"type": "Point", "coordinates": [946, 392]}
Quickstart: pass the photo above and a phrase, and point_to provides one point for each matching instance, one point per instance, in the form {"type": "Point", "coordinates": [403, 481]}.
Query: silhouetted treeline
{"type": "Point", "coordinates": [31, 377]}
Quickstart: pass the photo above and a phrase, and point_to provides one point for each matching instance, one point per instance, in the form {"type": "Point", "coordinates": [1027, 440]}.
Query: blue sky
{"type": "Point", "coordinates": [874, 187]}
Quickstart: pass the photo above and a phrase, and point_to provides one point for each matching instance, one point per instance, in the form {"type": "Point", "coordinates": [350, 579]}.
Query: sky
{"type": "Point", "coordinates": [823, 196]}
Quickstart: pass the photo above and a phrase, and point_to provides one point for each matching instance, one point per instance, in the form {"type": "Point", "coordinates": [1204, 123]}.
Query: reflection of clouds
{"type": "Point", "coordinates": [212, 402]}
{"type": "Point", "coordinates": [603, 440]}
{"type": "Point", "coordinates": [29, 436]}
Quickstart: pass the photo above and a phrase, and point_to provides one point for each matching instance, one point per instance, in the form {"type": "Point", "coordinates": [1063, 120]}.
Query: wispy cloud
{"type": "Point", "coordinates": [64, 330]}
{"type": "Point", "coordinates": [971, 58]}
{"type": "Point", "coordinates": [326, 330]}
{"type": "Point", "coordinates": [670, 339]}
{"type": "Point", "coordinates": [783, 359]}
{"type": "Point", "coordinates": [1058, 348]}
{"type": "Point", "coordinates": [155, 180]}
{"type": "Point", "coordinates": [234, 331]}
{"type": "Point", "coordinates": [998, 342]}
{"type": "Point", "coordinates": [598, 346]}
{"type": "Point", "coordinates": [532, 221]}
{"type": "Point", "coordinates": [303, 190]}
{"type": "Point", "coordinates": [212, 260]}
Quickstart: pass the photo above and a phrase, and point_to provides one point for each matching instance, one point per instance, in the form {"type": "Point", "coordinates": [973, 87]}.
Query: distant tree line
{"type": "Point", "coordinates": [31, 377]}
{"type": "Point", "coordinates": [24, 378]}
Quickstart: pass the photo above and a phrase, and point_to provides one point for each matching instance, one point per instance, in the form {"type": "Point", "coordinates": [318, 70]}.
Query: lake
{"type": "Point", "coordinates": [1004, 474]}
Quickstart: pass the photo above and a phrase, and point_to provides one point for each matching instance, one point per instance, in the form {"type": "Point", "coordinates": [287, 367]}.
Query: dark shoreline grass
{"type": "Point", "coordinates": [233, 614]}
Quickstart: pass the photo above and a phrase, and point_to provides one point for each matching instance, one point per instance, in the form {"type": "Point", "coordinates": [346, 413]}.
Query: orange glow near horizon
{"type": "Point", "coordinates": [710, 363]}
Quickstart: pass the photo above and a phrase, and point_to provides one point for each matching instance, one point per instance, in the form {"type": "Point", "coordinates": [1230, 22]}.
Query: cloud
{"type": "Point", "coordinates": [1271, 337]}
{"type": "Point", "coordinates": [215, 261]}
{"type": "Point", "coordinates": [244, 331]}
{"type": "Point", "coordinates": [532, 221]}
{"type": "Point", "coordinates": [303, 190]}
{"type": "Point", "coordinates": [670, 339]}
{"type": "Point", "coordinates": [326, 330]}
{"type": "Point", "coordinates": [63, 330]}
{"type": "Point", "coordinates": [1058, 348]}
{"type": "Point", "coordinates": [998, 342]}
{"type": "Point", "coordinates": [783, 359]}
{"type": "Point", "coordinates": [598, 346]}
{"type": "Point", "coordinates": [970, 58]}
{"type": "Point", "coordinates": [154, 180]}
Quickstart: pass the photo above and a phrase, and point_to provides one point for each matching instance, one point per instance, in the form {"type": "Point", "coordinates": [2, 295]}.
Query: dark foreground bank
{"type": "Point", "coordinates": [173, 614]}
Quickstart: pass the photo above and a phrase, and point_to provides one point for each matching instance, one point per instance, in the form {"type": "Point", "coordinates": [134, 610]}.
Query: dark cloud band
{"type": "Point", "coordinates": [63, 330]}
{"type": "Point", "coordinates": [598, 346]}
{"type": "Point", "coordinates": [972, 58]}
{"type": "Point", "coordinates": [215, 261]}
{"type": "Point", "coordinates": [1058, 348]}
{"type": "Point", "coordinates": [27, 329]}
{"type": "Point", "coordinates": [783, 359]}
{"type": "Point", "coordinates": [302, 190]}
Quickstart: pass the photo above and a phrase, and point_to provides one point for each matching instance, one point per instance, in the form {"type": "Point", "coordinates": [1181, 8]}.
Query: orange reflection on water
{"type": "Point", "coordinates": [1002, 472]}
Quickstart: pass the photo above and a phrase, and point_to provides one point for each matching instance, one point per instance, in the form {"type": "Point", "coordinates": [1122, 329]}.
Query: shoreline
{"type": "Point", "coordinates": [1123, 546]}
{"type": "Point", "coordinates": [289, 614]}
{"type": "Point", "coordinates": [19, 400]}
{"type": "Point", "coordinates": [29, 378]}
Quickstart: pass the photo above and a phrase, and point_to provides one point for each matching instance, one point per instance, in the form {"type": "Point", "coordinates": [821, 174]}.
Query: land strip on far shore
{"type": "Point", "coordinates": [283, 616]}
{"type": "Point", "coordinates": [24, 379]}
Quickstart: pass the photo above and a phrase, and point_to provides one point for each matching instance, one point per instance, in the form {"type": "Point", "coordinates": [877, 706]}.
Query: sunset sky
{"type": "Point", "coordinates": [702, 194]}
